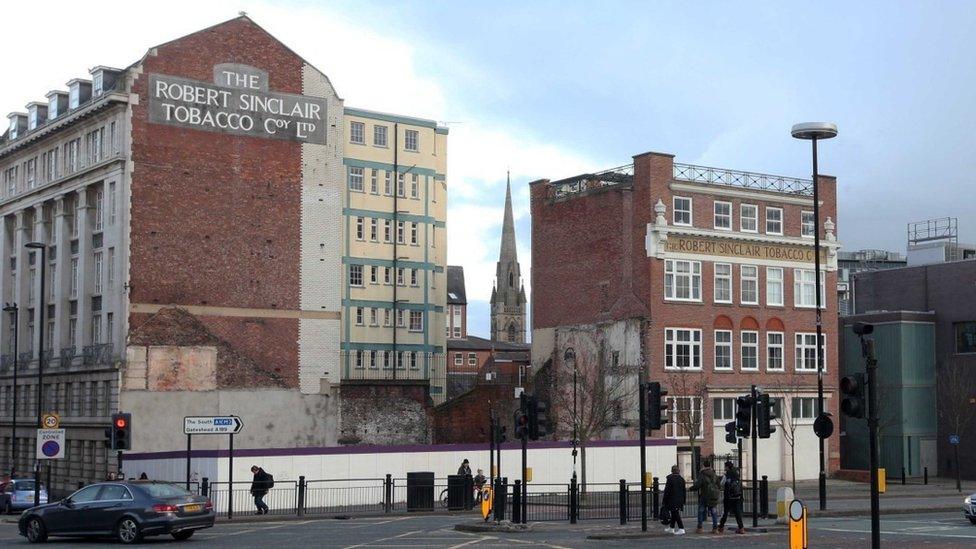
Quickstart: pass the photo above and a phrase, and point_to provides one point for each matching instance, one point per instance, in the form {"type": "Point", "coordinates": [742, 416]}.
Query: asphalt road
{"type": "Point", "coordinates": [926, 530]}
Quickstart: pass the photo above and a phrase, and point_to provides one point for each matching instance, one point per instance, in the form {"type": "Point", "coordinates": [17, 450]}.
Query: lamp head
{"type": "Point", "coordinates": [863, 328]}
{"type": "Point", "coordinates": [36, 245]}
{"type": "Point", "coordinates": [814, 130]}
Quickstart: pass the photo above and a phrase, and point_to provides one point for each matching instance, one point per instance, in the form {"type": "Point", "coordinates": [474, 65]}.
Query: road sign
{"type": "Point", "coordinates": [798, 525]}
{"type": "Point", "coordinates": [50, 443]}
{"type": "Point", "coordinates": [953, 439]}
{"type": "Point", "coordinates": [51, 421]}
{"type": "Point", "coordinates": [212, 425]}
{"type": "Point", "coordinates": [486, 501]}
{"type": "Point", "coordinates": [823, 426]}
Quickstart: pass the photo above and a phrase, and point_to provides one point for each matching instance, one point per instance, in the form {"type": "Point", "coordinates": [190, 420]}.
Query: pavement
{"type": "Point", "coordinates": [935, 530]}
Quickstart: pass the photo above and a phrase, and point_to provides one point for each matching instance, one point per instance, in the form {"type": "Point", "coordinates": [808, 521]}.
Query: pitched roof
{"type": "Point", "coordinates": [456, 294]}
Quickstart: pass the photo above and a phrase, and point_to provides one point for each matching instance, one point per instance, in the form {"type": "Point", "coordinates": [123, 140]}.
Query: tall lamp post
{"type": "Point", "coordinates": [12, 308]}
{"type": "Point", "coordinates": [40, 362]}
{"type": "Point", "coordinates": [815, 131]}
{"type": "Point", "coordinates": [569, 357]}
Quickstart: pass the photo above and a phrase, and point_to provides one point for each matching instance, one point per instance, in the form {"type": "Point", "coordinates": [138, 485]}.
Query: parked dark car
{"type": "Point", "coordinates": [18, 494]}
{"type": "Point", "coordinates": [126, 510]}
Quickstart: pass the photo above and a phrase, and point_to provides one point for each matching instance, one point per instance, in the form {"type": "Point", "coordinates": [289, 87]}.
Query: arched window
{"type": "Point", "coordinates": [511, 332]}
{"type": "Point", "coordinates": [511, 280]}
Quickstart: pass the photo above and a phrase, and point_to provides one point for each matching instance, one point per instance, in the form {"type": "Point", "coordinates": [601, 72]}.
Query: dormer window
{"type": "Point", "coordinates": [52, 107]}
{"type": "Point", "coordinates": [36, 115]}
{"type": "Point", "coordinates": [12, 134]}
{"type": "Point", "coordinates": [97, 83]}
{"type": "Point", "coordinates": [73, 97]}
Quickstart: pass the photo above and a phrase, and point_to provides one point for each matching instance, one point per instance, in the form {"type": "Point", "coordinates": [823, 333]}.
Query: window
{"type": "Point", "coordinates": [30, 169]}
{"type": "Point", "coordinates": [472, 359]}
{"type": "Point", "coordinates": [99, 209]}
{"type": "Point", "coordinates": [112, 204]}
{"type": "Point", "coordinates": [774, 351]}
{"type": "Point", "coordinates": [86, 494]}
{"type": "Point", "coordinates": [355, 179]}
{"type": "Point", "coordinates": [387, 315]}
{"type": "Point", "coordinates": [413, 234]}
{"type": "Point", "coordinates": [73, 285]}
{"type": "Point", "coordinates": [356, 275]}
{"type": "Point", "coordinates": [357, 133]}
{"type": "Point", "coordinates": [373, 274]}
{"type": "Point", "coordinates": [93, 145]}
{"type": "Point", "coordinates": [97, 272]}
{"type": "Point", "coordinates": [723, 409]}
{"type": "Point", "coordinates": [750, 350]}
{"type": "Point", "coordinates": [379, 136]}
{"type": "Point", "coordinates": [413, 360]}
{"type": "Point", "coordinates": [360, 316]}
{"type": "Point", "coordinates": [387, 273]}
{"type": "Point", "coordinates": [96, 333]}
{"type": "Point", "coordinates": [723, 283]}
{"type": "Point", "coordinates": [359, 360]}
{"type": "Point", "coordinates": [32, 282]}
{"type": "Point", "coordinates": [109, 328]}
{"type": "Point", "coordinates": [399, 318]}
{"type": "Point", "coordinates": [387, 183]}
{"type": "Point", "coordinates": [414, 186]}
{"type": "Point", "coordinates": [400, 186]}
{"type": "Point", "coordinates": [373, 222]}
{"type": "Point", "coordinates": [387, 230]}
{"type": "Point", "coordinates": [685, 412]}
{"type": "Point", "coordinates": [360, 229]}
{"type": "Point", "coordinates": [723, 215]}
{"type": "Point", "coordinates": [97, 87]}
{"type": "Point", "coordinates": [804, 407]}
{"type": "Point", "coordinates": [682, 210]}
{"type": "Point", "coordinates": [374, 319]}
{"type": "Point", "coordinates": [774, 220]}
{"type": "Point", "coordinates": [748, 218]}
{"type": "Point", "coordinates": [723, 349]}
{"type": "Point", "coordinates": [749, 284]}
{"type": "Point", "coordinates": [804, 289]}
{"type": "Point", "coordinates": [774, 286]}
{"type": "Point", "coordinates": [52, 275]}
{"type": "Point", "coordinates": [682, 349]}
{"type": "Point", "coordinates": [682, 280]}
{"type": "Point", "coordinates": [965, 337]}
{"type": "Point", "coordinates": [411, 140]}
{"type": "Point", "coordinates": [373, 184]}
{"type": "Point", "coordinates": [807, 226]}
{"type": "Point", "coordinates": [400, 225]}
{"type": "Point", "coordinates": [458, 359]}
{"type": "Point", "coordinates": [806, 353]}
{"type": "Point", "coordinates": [10, 180]}
{"type": "Point", "coordinates": [399, 276]}
{"type": "Point", "coordinates": [413, 277]}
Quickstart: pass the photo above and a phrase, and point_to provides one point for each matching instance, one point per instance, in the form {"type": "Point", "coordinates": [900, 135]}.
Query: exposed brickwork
{"type": "Point", "coordinates": [215, 218]}
{"type": "Point", "coordinates": [385, 414]}
{"type": "Point", "coordinates": [466, 418]}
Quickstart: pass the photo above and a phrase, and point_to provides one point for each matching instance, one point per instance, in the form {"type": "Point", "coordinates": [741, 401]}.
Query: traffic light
{"type": "Point", "coordinates": [730, 432]}
{"type": "Point", "coordinates": [501, 434]}
{"type": "Point", "coordinates": [538, 418]}
{"type": "Point", "coordinates": [121, 431]}
{"type": "Point", "coordinates": [654, 396]}
{"type": "Point", "coordinates": [108, 437]}
{"type": "Point", "coordinates": [852, 387]}
{"type": "Point", "coordinates": [764, 416]}
{"type": "Point", "coordinates": [743, 416]}
{"type": "Point", "coordinates": [521, 424]}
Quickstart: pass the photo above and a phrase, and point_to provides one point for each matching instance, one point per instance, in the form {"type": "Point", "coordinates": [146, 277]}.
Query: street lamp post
{"type": "Point", "coordinates": [12, 308]}
{"type": "Point", "coordinates": [815, 131]}
{"type": "Point", "coordinates": [40, 363]}
{"type": "Point", "coordinates": [570, 358]}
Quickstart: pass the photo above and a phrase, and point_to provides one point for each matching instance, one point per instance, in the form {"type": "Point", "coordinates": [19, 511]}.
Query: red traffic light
{"type": "Point", "coordinates": [850, 385]}
{"type": "Point", "coordinates": [121, 422]}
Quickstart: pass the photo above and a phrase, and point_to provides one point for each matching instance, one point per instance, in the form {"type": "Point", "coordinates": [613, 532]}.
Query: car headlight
{"type": "Point", "coordinates": [968, 500]}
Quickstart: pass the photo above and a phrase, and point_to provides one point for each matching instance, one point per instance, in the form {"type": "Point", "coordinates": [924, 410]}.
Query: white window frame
{"type": "Point", "coordinates": [690, 211]}
{"type": "Point", "coordinates": [458, 359]}
{"type": "Point", "coordinates": [411, 140]}
{"type": "Point", "coordinates": [374, 229]}
{"type": "Point", "coordinates": [724, 216]}
{"type": "Point", "coordinates": [672, 275]}
{"type": "Point", "coordinates": [357, 132]}
{"type": "Point", "coordinates": [803, 287]}
{"type": "Point", "coordinates": [769, 354]}
{"type": "Point", "coordinates": [802, 344]}
{"type": "Point", "coordinates": [416, 321]}
{"type": "Point", "coordinates": [748, 281]}
{"type": "Point", "coordinates": [807, 230]}
{"type": "Point", "coordinates": [413, 233]}
{"type": "Point", "coordinates": [356, 178]}
{"type": "Point", "coordinates": [727, 278]}
{"type": "Point", "coordinates": [380, 135]}
{"type": "Point", "coordinates": [414, 186]}
{"type": "Point", "coordinates": [725, 345]}
{"type": "Point", "coordinates": [354, 272]}
{"type": "Point", "coordinates": [720, 405]}
{"type": "Point", "coordinates": [774, 209]}
{"type": "Point", "coordinates": [360, 228]}
{"type": "Point", "coordinates": [472, 359]}
{"type": "Point", "coordinates": [772, 282]}
{"type": "Point", "coordinates": [360, 316]}
{"type": "Point", "coordinates": [745, 346]}
{"type": "Point", "coordinates": [695, 406]}
{"type": "Point", "coordinates": [672, 342]}
{"type": "Point", "coordinates": [798, 402]}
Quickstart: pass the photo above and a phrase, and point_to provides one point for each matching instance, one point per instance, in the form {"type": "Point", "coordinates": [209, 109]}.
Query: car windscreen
{"type": "Point", "coordinates": [162, 490]}
{"type": "Point", "coordinates": [25, 486]}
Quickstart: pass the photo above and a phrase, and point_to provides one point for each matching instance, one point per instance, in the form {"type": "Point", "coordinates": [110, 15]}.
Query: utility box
{"type": "Point", "coordinates": [420, 491]}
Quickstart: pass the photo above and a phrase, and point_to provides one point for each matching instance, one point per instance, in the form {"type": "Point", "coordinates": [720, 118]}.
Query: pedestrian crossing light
{"type": "Point", "coordinates": [121, 431]}
{"type": "Point", "coordinates": [521, 423]}
{"type": "Point", "coordinates": [743, 416]}
{"type": "Point", "coordinates": [655, 406]}
{"type": "Point", "coordinates": [501, 434]}
{"type": "Point", "coordinates": [852, 387]}
{"type": "Point", "coordinates": [730, 433]}
{"type": "Point", "coordinates": [538, 418]}
{"type": "Point", "coordinates": [765, 416]}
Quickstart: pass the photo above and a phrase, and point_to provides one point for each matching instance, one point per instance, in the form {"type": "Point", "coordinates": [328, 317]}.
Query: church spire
{"type": "Point", "coordinates": [508, 253]}
{"type": "Point", "coordinates": [508, 295]}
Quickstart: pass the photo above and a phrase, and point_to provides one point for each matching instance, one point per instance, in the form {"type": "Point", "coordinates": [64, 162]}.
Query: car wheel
{"type": "Point", "coordinates": [36, 531]}
{"type": "Point", "coordinates": [180, 536]}
{"type": "Point", "coordinates": [128, 531]}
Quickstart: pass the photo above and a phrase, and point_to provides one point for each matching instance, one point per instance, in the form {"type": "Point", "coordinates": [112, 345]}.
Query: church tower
{"type": "Point", "coordinates": [508, 295]}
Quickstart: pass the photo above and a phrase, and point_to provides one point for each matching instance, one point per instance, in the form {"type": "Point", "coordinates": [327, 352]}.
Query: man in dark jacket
{"type": "Point", "coordinates": [708, 488]}
{"type": "Point", "coordinates": [673, 501]}
{"type": "Point", "coordinates": [732, 498]}
{"type": "Point", "coordinates": [259, 488]}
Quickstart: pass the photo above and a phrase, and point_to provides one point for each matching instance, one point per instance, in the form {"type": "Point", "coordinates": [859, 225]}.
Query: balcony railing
{"type": "Point", "coordinates": [747, 180]}
{"type": "Point", "coordinates": [426, 366]}
{"type": "Point", "coordinates": [99, 354]}
{"type": "Point", "coordinates": [621, 175]}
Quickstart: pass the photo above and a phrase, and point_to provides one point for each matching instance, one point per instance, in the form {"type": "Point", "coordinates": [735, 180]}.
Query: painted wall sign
{"type": "Point", "coordinates": [748, 250]}
{"type": "Point", "coordinates": [237, 102]}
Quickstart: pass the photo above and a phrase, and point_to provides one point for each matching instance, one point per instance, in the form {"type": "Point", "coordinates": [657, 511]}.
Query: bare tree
{"type": "Point", "coordinates": [684, 389]}
{"type": "Point", "coordinates": [788, 421]}
{"type": "Point", "coordinates": [604, 394]}
{"type": "Point", "coordinates": [956, 390]}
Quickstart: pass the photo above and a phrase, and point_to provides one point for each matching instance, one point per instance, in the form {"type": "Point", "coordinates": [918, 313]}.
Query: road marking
{"type": "Point", "coordinates": [471, 542]}
{"type": "Point", "coordinates": [381, 522]}
{"type": "Point", "coordinates": [384, 539]}
{"type": "Point", "coordinates": [896, 533]}
{"type": "Point", "coordinates": [279, 524]}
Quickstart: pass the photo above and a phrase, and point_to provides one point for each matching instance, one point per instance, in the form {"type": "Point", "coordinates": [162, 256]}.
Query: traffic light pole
{"type": "Point", "coordinates": [754, 435]}
{"type": "Point", "coordinates": [642, 407]}
{"type": "Point", "coordinates": [525, 474]}
{"type": "Point", "coordinates": [872, 366]}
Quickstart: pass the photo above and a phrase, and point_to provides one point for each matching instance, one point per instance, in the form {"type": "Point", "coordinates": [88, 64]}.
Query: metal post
{"type": "Point", "coordinates": [188, 448]}
{"type": "Point", "coordinates": [656, 496]}
{"type": "Point", "coordinates": [872, 366]}
{"type": "Point", "coordinates": [623, 501]}
{"type": "Point", "coordinates": [755, 454]}
{"type": "Point", "coordinates": [925, 472]}
{"type": "Point", "coordinates": [955, 451]}
{"type": "Point", "coordinates": [118, 465]}
{"type": "Point", "coordinates": [388, 493]}
{"type": "Point", "coordinates": [517, 502]}
{"type": "Point", "coordinates": [524, 489]}
{"type": "Point", "coordinates": [573, 500]}
{"type": "Point", "coordinates": [764, 496]}
{"type": "Point", "coordinates": [40, 364]}
{"type": "Point", "coordinates": [902, 476]}
{"type": "Point", "coordinates": [642, 421]}
{"type": "Point", "coordinates": [12, 308]}
{"type": "Point", "coordinates": [230, 478]}
{"type": "Point", "coordinates": [822, 481]}
{"type": "Point", "coordinates": [491, 449]}
{"type": "Point", "coordinates": [204, 487]}
{"type": "Point", "coordinates": [301, 495]}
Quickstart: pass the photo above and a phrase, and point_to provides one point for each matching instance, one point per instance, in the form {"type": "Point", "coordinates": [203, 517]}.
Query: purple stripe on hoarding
{"type": "Point", "coordinates": [376, 449]}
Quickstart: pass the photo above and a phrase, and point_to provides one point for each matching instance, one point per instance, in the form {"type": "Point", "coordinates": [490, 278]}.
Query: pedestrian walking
{"type": "Point", "coordinates": [465, 468]}
{"type": "Point", "coordinates": [709, 489]}
{"type": "Point", "coordinates": [673, 501]}
{"type": "Point", "coordinates": [260, 486]}
{"type": "Point", "coordinates": [732, 498]}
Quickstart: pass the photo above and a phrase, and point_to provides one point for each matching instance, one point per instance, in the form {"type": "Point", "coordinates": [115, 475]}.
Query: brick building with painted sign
{"type": "Point", "coordinates": [700, 278]}
{"type": "Point", "coordinates": [222, 238]}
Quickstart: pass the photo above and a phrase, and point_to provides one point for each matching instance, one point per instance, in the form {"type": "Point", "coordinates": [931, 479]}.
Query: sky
{"type": "Point", "coordinates": [553, 89]}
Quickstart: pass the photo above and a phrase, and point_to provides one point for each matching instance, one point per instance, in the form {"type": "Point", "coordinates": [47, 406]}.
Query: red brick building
{"type": "Point", "coordinates": [700, 278]}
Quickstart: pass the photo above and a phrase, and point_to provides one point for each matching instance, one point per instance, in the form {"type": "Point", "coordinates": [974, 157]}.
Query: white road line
{"type": "Point", "coordinates": [897, 533]}
{"type": "Point", "coordinates": [384, 539]}
{"type": "Point", "coordinates": [382, 522]}
{"type": "Point", "coordinates": [471, 542]}
{"type": "Point", "coordinates": [259, 529]}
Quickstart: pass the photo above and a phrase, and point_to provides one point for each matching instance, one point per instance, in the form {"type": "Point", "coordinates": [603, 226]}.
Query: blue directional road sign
{"type": "Point", "coordinates": [953, 439]}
